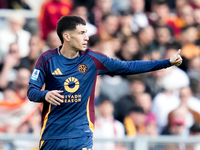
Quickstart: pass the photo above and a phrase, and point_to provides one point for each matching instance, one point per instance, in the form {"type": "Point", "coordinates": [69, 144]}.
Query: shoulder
{"type": "Point", "coordinates": [45, 56]}
{"type": "Point", "coordinates": [92, 53]}
{"type": "Point", "coordinates": [49, 53]}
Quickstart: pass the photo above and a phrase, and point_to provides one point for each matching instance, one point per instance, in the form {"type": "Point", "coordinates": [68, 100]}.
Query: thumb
{"type": "Point", "coordinates": [179, 52]}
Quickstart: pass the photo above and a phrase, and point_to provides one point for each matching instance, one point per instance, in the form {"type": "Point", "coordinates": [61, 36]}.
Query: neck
{"type": "Point", "coordinates": [68, 52]}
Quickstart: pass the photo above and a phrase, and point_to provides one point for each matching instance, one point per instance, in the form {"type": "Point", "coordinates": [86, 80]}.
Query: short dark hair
{"type": "Point", "coordinates": [68, 23]}
{"type": "Point", "coordinates": [136, 109]}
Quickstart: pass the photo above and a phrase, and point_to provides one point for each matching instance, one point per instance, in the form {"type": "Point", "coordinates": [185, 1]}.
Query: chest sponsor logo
{"type": "Point", "coordinates": [35, 74]}
{"type": "Point", "coordinates": [71, 84]}
{"type": "Point", "coordinates": [82, 68]}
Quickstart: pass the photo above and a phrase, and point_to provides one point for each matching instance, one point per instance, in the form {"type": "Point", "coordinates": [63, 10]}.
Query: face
{"type": "Point", "coordinates": [110, 25]}
{"type": "Point", "coordinates": [186, 14]}
{"type": "Point", "coordinates": [14, 51]}
{"type": "Point", "coordinates": [137, 5]}
{"type": "Point", "coordinates": [185, 93]}
{"type": "Point", "coordinates": [81, 11]}
{"type": "Point", "coordinates": [106, 109]}
{"type": "Point", "coordinates": [78, 38]}
{"type": "Point", "coordinates": [163, 35]}
{"type": "Point", "coordinates": [53, 40]}
{"type": "Point", "coordinates": [23, 77]}
{"type": "Point", "coordinates": [144, 100]}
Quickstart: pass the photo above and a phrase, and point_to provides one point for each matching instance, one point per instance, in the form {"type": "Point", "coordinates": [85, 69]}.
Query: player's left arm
{"type": "Point", "coordinates": [115, 66]}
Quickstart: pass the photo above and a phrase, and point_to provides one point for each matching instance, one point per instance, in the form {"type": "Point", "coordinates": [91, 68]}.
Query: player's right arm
{"type": "Point", "coordinates": [37, 80]}
{"type": "Point", "coordinates": [36, 95]}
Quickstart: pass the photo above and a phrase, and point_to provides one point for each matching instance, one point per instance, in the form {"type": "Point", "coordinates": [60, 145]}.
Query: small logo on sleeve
{"type": "Point", "coordinates": [35, 74]}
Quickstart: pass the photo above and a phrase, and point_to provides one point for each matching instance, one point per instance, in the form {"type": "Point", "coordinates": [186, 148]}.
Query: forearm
{"type": "Point", "coordinates": [34, 94]}
{"type": "Point", "coordinates": [135, 67]}
{"type": "Point", "coordinates": [146, 66]}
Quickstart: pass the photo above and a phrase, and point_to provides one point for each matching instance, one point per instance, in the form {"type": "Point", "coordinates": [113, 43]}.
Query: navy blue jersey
{"type": "Point", "coordinates": [76, 77]}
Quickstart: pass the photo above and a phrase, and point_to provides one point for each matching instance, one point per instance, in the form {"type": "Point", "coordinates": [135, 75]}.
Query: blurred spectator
{"type": "Point", "coordinates": [146, 37]}
{"type": "Point", "coordinates": [163, 103]}
{"type": "Point", "coordinates": [97, 94]}
{"type": "Point", "coordinates": [161, 16]}
{"type": "Point", "coordinates": [30, 60]}
{"type": "Point", "coordinates": [50, 13]}
{"type": "Point", "coordinates": [101, 8]}
{"type": "Point", "coordinates": [177, 126]}
{"type": "Point", "coordinates": [10, 65]}
{"type": "Point", "coordinates": [114, 87]}
{"type": "Point", "coordinates": [52, 41]}
{"type": "Point", "coordinates": [35, 122]}
{"type": "Point", "coordinates": [109, 26]}
{"type": "Point", "coordinates": [94, 42]}
{"type": "Point", "coordinates": [134, 121]}
{"type": "Point", "coordinates": [14, 4]}
{"type": "Point", "coordinates": [14, 33]}
{"type": "Point", "coordinates": [189, 100]}
{"type": "Point", "coordinates": [195, 3]}
{"type": "Point", "coordinates": [80, 10]}
{"type": "Point", "coordinates": [125, 20]}
{"type": "Point", "coordinates": [22, 82]}
{"type": "Point", "coordinates": [189, 105]}
{"type": "Point", "coordinates": [189, 36]}
{"type": "Point", "coordinates": [130, 49]}
{"type": "Point", "coordinates": [107, 126]}
{"type": "Point", "coordinates": [139, 18]}
{"type": "Point", "coordinates": [163, 38]}
{"type": "Point", "coordinates": [176, 123]}
{"type": "Point", "coordinates": [152, 82]}
{"type": "Point", "coordinates": [185, 13]}
{"type": "Point", "coordinates": [127, 101]}
{"type": "Point", "coordinates": [144, 100]}
{"type": "Point", "coordinates": [15, 109]}
{"type": "Point", "coordinates": [197, 22]}
{"type": "Point", "coordinates": [108, 48]}
{"type": "Point", "coordinates": [194, 74]}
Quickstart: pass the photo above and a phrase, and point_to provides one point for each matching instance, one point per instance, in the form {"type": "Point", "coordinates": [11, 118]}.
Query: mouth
{"type": "Point", "coordinates": [85, 45]}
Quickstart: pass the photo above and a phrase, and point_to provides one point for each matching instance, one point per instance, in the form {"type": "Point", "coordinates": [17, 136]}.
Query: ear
{"type": "Point", "coordinates": [66, 36]}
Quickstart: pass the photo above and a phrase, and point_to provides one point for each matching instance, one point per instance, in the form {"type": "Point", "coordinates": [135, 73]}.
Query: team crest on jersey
{"type": "Point", "coordinates": [82, 68]}
{"type": "Point", "coordinates": [35, 74]}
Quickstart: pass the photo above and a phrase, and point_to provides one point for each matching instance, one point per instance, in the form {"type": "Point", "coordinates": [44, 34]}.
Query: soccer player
{"type": "Point", "coordinates": [69, 74]}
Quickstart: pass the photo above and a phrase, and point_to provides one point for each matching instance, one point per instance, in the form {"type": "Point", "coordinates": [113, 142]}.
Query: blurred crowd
{"type": "Point", "coordinates": [164, 102]}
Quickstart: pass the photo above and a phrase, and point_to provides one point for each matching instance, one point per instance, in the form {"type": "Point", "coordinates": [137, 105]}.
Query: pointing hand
{"type": "Point", "coordinates": [176, 59]}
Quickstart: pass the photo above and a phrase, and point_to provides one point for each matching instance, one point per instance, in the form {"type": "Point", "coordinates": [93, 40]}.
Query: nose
{"type": "Point", "coordinates": [86, 38]}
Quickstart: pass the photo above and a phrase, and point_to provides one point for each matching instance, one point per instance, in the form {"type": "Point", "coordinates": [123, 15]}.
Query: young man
{"type": "Point", "coordinates": [69, 73]}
